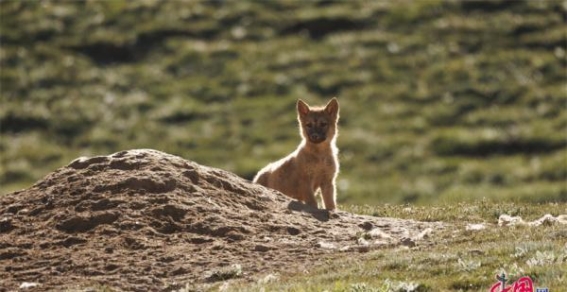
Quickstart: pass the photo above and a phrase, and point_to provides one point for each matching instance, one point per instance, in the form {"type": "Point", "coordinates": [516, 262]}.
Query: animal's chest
{"type": "Point", "coordinates": [319, 169]}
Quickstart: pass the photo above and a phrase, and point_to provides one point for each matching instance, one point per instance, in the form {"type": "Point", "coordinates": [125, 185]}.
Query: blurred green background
{"type": "Point", "coordinates": [441, 101]}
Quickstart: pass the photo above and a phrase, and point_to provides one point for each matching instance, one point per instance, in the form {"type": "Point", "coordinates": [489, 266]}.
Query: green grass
{"type": "Point", "coordinates": [441, 101]}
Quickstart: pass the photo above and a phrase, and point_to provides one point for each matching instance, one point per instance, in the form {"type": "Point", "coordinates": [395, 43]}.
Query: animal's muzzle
{"type": "Point", "coordinates": [316, 138]}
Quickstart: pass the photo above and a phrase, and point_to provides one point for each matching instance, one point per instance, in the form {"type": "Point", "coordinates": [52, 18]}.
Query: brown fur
{"type": "Point", "coordinates": [314, 164]}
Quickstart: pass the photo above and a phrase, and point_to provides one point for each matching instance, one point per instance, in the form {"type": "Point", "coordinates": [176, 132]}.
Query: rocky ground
{"type": "Point", "coordinates": [142, 220]}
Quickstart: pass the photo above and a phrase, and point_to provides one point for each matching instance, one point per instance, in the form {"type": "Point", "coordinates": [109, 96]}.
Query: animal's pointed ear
{"type": "Point", "coordinates": [332, 107]}
{"type": "Point", "coordinates": [302, 108]}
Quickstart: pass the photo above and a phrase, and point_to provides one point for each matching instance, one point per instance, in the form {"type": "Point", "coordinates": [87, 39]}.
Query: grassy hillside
{"type": "Point", "coordinates": [441, 101]}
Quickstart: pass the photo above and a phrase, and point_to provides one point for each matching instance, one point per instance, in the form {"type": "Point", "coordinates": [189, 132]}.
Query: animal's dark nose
{"type": "Point", "coordinates": [316, 137]}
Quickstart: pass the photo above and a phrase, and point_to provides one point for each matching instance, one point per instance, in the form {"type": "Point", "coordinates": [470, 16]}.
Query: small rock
{"type": "Point", "coordinates": [26, 285]}
{"type": "Point", "coordinates": [366, 225]}
{"type": "Point", "coordinates": [424, 234]}
{"type": "Point", "coordinates": [179, 271]}
{"type": "Point", "coordinates": [345, 248]}
{"type": "Point", "coordinates": [378, 233]}
{"type": "Point", "coordinates": [406, 241]}
{"type": "Point", "coordinates": [6, 225]}
{"type": "Point", "coordinates": [111, 267]}
{"type": "Point", "coordinates": [363, 248]}
{"type": "Point", "coordinates": [262, 248]}
{"type": "Point", "coordinates": [363, 242]}
{"type": "Point", "coordinates": [475, 227]}
{"type": "Point", "coordinates": [326, 245]}
{"type": "Point", "coordinates": [506, 220]}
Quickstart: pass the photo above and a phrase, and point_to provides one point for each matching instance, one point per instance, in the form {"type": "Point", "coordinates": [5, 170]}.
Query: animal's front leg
{"type": "Point", "coordinates": [308, 197]}
{"type": "Point", "coordinates": [328, 191]}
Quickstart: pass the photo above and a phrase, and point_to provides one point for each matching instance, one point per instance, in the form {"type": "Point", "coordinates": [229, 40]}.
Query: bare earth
{"type": "Point", "coordinates": [142, 220]}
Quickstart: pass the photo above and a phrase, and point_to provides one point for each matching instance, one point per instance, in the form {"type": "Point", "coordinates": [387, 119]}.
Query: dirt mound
{"type": "Point", "coordinates": [146, 220]}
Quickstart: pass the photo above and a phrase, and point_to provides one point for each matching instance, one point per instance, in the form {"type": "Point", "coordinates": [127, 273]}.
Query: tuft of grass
{"type": "Point", "coordinates": [225, 273]}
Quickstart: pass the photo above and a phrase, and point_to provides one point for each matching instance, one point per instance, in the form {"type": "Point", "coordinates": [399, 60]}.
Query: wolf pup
{"type": "Point", "coordinates": [314, 164]}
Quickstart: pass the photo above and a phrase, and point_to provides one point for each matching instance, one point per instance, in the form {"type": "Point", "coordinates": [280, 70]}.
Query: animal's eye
{"type": "Point", "coordinates": [309, 125]}
{"type": "Point", "coordinates": [323, 124]}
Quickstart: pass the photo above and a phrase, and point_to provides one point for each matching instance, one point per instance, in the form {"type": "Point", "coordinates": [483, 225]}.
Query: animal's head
{"type": "Point", "coordinates": [318, 124]}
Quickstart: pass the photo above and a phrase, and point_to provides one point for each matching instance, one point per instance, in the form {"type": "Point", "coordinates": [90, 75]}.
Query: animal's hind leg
{"type": "Point", "coordinates": [261, 179]}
